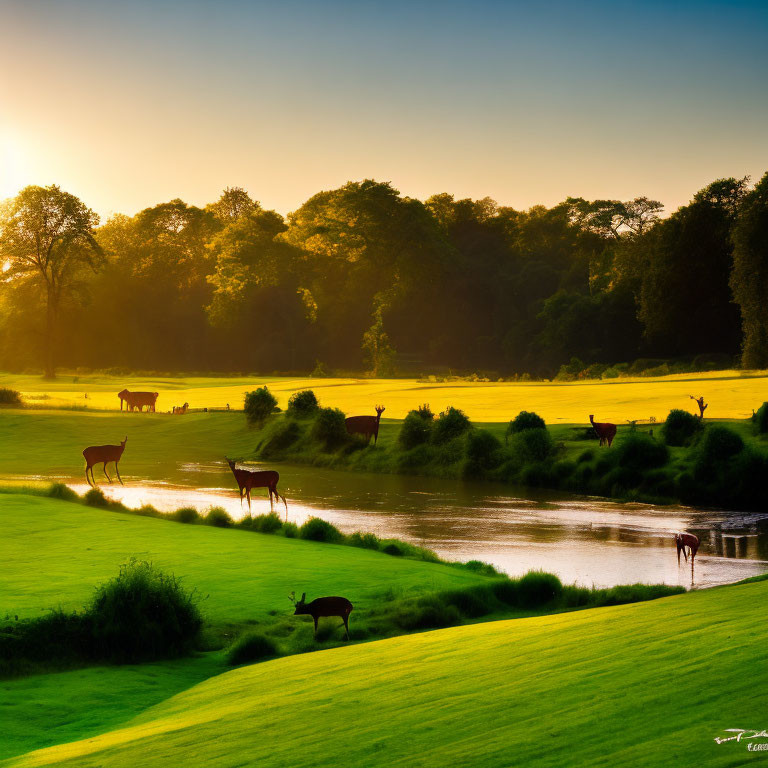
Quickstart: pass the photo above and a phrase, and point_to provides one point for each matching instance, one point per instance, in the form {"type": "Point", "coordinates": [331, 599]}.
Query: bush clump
{"type": "Point", "coordinates": [316, 529]}
{"type": "Point", "coordinates": [218, 517]}
{"type": "Point", "coordinates": [451, 423]}
{"type": "Point", "coordinates": [525, 420]}
{"type": "Point", "coordinates": [329, 428]}
{"type": "Point", "coordinates": [761, 419]}
{"type": "Point", "coordinates": [718, 445]}
{"type": "Point", "coordinates": [639, 451]}
{"type": "Point", "coordinates": [259, 404]}
{"type": "Point", "coordinates": [285, 434]}
{"type": "Point", "coordinates": [251, 647]}
{"type": "Point", "coordinates": [143, 614]}
{"type": "Point", "coordinates": [62, 491]}
{"type": "Point", "coordinates": [681, 428]}
{"type": "Point", "coordinates": [538, 588]}
{"type": "Point", "coordinates": [533, 445]}
{"type": "Point", "coordinates": [427, 612]}
{"type": "Point", "coordinates": [95, 498]}
{"type": "Point", "coordinates": [364, 540]}
{"type": "Point", "coordinates": [302, 405]}
{"type": "Point", "coordinates": [416, 429]}
{"type": "Point", "coordinates": [483, 452]}
{"type": "Point", "coordinates": [9, 396]}
{"type": "Point", "coordinates": [269, 523]}
{"type": "Point", "coordinates": [186, 515]}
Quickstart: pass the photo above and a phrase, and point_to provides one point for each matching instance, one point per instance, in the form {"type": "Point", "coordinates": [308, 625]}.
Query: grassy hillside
{"type": "Point", "coordinates": [645, 684]}
{"type": "Point", "coordinates": [731, 394]}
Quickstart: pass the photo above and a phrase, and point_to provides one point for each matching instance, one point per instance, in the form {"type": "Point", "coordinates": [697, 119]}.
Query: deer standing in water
{"type": "Point", "coordinates": [323, 606]}
{"type": "Point", "coordinates": [702, 405]}
{"type": "Point", "coordinates": [683, 540]}
{"type": "Point", "coordinates": [367, 426]}
{"type": "Point", "coordinates": [248, 479]}
{"type": "Point", "coordinates": [103, 454]}
{"type": "Point", "coordinates": [605, 431]}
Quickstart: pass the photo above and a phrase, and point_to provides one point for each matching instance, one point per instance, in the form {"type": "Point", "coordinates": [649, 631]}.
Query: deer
{"type": "Point", "coordinates": [103, 454]}
{"type": "Point", "coordinates": [252, 478]}
{"type": "Point", "coordinates": [137, 400]}
{"type": "Point", "coordinates": [702, 405]}
{"type": "Point", "coordinates": [605, 431]}
{"type": "Point", "coordinates": [180, 409]}
{"type": "Point", "coordinates": [367, 426]}
{"type": "Point", "coordinates": [683, 540]}
{"type": "Point", "coordinates": [323, 606]}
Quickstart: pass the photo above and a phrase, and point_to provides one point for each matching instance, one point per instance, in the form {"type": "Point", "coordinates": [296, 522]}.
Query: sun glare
{"type": "Point", "coordinates": [12, 166]}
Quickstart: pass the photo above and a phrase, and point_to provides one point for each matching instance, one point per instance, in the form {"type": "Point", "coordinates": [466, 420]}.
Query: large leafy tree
{"type": "Point", "coordinates": [47, 237]}
{"type": "Point", "coordinates": [749, 279]}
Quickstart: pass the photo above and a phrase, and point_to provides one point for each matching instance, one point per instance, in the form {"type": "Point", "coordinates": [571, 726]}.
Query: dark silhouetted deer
{"type": "Point", "coordinates": [702, 405]}
{"type": "Point", "coordinates": [248, 479]}
{"type": "Point", "coordinates": [606, 432]}
{"type": "Point", "coordinates": [683, 540]}
{"type": "Point", "coordinates": [103, 454]}
{"type": "Point", "coordinates": [367, 426]}
{"type": "Point", "coordinates": [137, 400]}
{"type": "Point", "coordinates": [180, 409]}
{"type": "Point", "coordinates": [323, 606]}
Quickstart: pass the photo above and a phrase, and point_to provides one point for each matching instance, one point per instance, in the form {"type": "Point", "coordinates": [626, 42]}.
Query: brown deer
{"type": "Point", "coordinates": [180, 409]}
{"type": "Point", "coordinates": [683, 540]}
{"type": "Point", "coordinates": [367, 426]}
{"type": "Point", "coordinates": [323, 606]}
{"type": "Point", "coordinates": [605, 431]}
{"type": "Point", "coordinates": [137, 400]}
{"type": "Point", "coordinates": [103, 454]}
{"type": "Point", "coordinates": [248, 479]}
{"type": "Point", "coordinates": [702, 405]}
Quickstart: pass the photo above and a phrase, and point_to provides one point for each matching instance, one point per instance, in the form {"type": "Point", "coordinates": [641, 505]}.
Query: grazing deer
{"type": "Point", "coordinates": [103, 454]}
{"type": "Point", "coordinates": [683, 540]}
{"type": "Point", "coordinates": [323, 606]}
{"type": "Point", "coordinates": [702, 405]}
{"type": "Point", "coordinates": [606, 432]}
{"type": "Point", "coordinates": [252, 478]}
{"type": "Point", "coordinates": [137, 400]}
{"type": "Point", "coordinates": [180, 409]}
{"type": "Point", "coordinates": [367, 426]}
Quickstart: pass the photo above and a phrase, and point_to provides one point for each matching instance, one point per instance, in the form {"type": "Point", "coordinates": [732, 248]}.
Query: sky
{"type": "Point", "coordinates": [128, 104]}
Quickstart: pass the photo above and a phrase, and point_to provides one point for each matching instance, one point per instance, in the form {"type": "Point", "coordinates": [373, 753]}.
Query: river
{"type": "Point", "coordinates": [592, 542]}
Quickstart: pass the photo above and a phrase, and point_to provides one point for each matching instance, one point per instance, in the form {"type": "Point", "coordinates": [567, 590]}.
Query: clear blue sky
{"type": "Point", "coordinates": [129, 104]}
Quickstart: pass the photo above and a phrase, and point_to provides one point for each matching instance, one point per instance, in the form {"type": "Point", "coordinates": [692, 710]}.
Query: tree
{"type": "Point", "coordinates": [233, 203]}
{"type": "Point", "coordinates": [46, 237]}
{"type": "Point", "coordinates": [749, 278]}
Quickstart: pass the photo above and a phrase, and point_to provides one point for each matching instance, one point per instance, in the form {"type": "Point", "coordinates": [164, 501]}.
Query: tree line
{"type": "Point", "coordinates": [361, 277]}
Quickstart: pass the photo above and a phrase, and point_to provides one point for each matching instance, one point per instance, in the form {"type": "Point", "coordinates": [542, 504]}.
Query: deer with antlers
{"type": "Point", "coordinates": [605, 431]}
{"type": "Point", "coordinates": [367, 426]}
{"type": "Point", "coordinates": [702, 405]}
{"type": "Point", "coordinates": [247, 479]}
{"type": "Point", "coordinates": [323, 606]}
{"type": "Point", "coordinates": [687, 541]}
{"type": "Point", "coordinates": [103, 454]}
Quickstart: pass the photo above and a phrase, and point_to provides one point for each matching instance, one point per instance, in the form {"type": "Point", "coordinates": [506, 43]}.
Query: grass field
{"type": "Point", "coordinates": [645, 684]}
{"type": "Point", "coordinates": [731, 394]}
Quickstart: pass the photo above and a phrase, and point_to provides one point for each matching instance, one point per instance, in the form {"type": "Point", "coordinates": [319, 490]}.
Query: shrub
{"type": "Point", "coordinates": [392, 548]}
{"type": "Point", "coordinates": [282, 437]}
{"type": "Point", "coordinates": [363, 540]}
{"type": "Point", "coordinates": [250, 647]}
{"type": "Point", "coordinates": [428, 612]}
{"type": "Point", "coordinates": [680, 428]}
{"type": "Point", "coordinates": [416, 430]}
{"type": "Point", "coordinates": [302, 405]}
{"type": "Point", "coordinates": [95, 498]}
{"type": "Point", "coordinates": [143, 614]}
{"type": "Point", "coordinates": [425, 412]}
{"type": "Point", "coordinates": [329, 428]}
{"type": "Point", "coordinates": [719, 444]}
{"type": "Point", "coordinates": [640, 451]}
{"type": "Point", "coordinates": [290, 530]}
{"type": "Point", "coordinates": [186, 515]}
{"type": "Point", "coordinates": [525, 420]}
{"type": "Point", "coordinates": [471, 603]}
{"type": "Point", "coordinates": [507, 591]}
{"type": "Point", "coordinates": [9, 396]}
{"type": "Point", "coordinates": [218, 517]}
{"type": "Point", "coordinates": [761, 419]}
{"type": "Point", "coordinates": [538, 588]}
{"type": "Point", "coordinates": [533, 445]}
{"type": "Point", "coordinates": [316, 529]}
{"type": "Point", "coordinates": [587, 455]}
{"type": "Point", "coordinates": [62, 491]}
{"type": "Point", "coordinates": [611, 373]}
{"type": "Point", "coordinates": [259, 404]}
{"type": "Point", "coordinates": [451, 423]}
{"type": "Point", "coordinates": [268, 523]}
{"type": "Point", "coordinates": [483, 452]}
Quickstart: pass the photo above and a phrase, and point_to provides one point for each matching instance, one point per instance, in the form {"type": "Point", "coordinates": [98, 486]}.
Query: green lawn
{"type": "Point", "coordinates": [643, 684]}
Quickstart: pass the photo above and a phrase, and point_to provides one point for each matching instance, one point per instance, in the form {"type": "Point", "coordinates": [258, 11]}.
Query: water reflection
{"type": "Point", "coordinates": [588, 541]}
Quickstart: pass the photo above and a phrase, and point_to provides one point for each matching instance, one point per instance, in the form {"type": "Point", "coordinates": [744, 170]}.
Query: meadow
{"type": "Point", "coordinates": [645, 684]}
{"type": "Point", "coordinates": [731, 394]}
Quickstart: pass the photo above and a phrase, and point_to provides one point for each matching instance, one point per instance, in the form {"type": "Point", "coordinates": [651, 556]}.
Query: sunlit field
{"type": "Point", "coordinates": [731, 395]}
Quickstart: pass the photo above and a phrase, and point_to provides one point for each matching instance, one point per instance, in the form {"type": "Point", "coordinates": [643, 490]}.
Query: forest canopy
{"type": "Point", "coordinates": [363, 278]}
